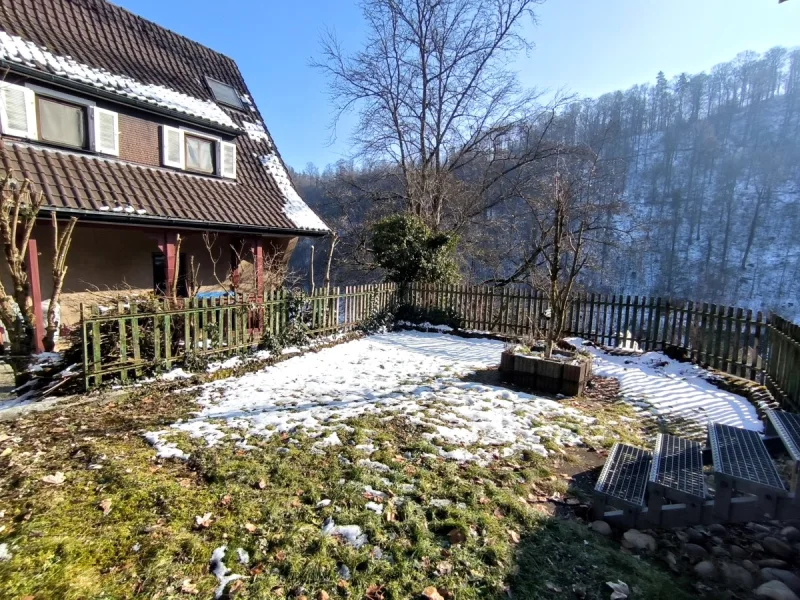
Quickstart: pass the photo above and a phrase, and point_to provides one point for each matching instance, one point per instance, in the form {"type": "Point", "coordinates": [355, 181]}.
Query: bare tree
{"type": "Point", "coordinates": [19, 209]}
{"type": "Point", "coordinates": [439, 107]}
{"type": "Point", "coordinates": [569, 215]}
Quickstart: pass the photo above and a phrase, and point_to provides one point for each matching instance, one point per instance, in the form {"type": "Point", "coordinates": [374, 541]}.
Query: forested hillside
{"type": "Point", "coordinates": [707, 167]}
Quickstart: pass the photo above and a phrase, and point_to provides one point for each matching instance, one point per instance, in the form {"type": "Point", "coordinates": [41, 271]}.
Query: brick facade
{"type": "Point", "coordinates": [139, 141]}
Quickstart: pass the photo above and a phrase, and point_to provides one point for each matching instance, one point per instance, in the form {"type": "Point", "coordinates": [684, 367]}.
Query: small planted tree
{"type": "Point", "coordinates": [570, 207]}
{"type": "Point", "coordinates": [19, 209]}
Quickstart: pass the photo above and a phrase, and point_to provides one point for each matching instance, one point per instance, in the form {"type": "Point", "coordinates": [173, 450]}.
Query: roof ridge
{"type": "Point", "coordinates": [167, 29]}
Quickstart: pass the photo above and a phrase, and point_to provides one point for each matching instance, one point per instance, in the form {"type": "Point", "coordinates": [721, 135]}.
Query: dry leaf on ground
{"type": "Point", "coordinates": [456, 536]}
{"type": "Point", "coordinates": [431, 593]}
{"type": "Point", "coordinates": [105, 505]}
{"type": "Point", "coordinates": [187, 587]}
{"type": "Point", "coordinates": [203, 522]}
{"type": "Point", "coordinates": [56, 479]}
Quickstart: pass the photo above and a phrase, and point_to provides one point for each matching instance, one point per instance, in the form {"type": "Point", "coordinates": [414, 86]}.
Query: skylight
{"type": "Point", "coordinates": [224, 93]}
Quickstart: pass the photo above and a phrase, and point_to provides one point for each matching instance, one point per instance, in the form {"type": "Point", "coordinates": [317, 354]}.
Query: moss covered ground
{"type": "Point", "coordinates": [124, 524]}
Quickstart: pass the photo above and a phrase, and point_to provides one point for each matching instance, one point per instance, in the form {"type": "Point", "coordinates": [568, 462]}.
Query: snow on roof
{"type": "Point", "coordinates": [17, 50]}
{"type": "Point", "coordinates": [257, 131]}
{"type": "Point", "coordinates": [294, 208]}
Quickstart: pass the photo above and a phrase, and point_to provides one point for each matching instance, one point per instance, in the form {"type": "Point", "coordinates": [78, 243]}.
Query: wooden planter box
{"type": "Point", "coordinates": [543, 375]}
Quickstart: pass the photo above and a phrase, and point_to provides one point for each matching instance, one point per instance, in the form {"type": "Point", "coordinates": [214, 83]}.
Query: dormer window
{"type": "Point", "coordinates": [197, 152]}
{"type": "Point", "coordinates": [200, 154]}
{"type": "Point", "coordinates": [224, 94]}
{"type": "Point", "coordinates": [61, 123]}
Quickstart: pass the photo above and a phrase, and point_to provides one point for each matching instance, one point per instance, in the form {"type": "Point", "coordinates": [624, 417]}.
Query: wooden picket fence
{"type": "Point", "coordinates": [755, 346]}
{"type": "Point", "coordinates": [782, 370]}
{"type": "Point", "coordinates": [125, 342]}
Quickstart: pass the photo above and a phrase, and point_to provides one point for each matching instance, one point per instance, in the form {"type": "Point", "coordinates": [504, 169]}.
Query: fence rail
{"type": "Point", "coordinates": [126, 341]}
{"type": "Point", "coordinates": [762, 348]}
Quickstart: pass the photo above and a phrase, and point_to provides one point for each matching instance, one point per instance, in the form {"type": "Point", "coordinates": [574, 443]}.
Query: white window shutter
{"type": "Point", "coordinates": [227, 160]}
{"type": "Point", "coordinates": [17, 111]}
{"type": "Point", "coordinates": [105, 131]}
{"type": "Point", "coordinates": [172, 151]}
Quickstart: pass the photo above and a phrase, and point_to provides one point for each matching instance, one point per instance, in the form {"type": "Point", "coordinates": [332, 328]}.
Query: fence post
{"type": "Point", "coordinates": [123, 340]}
{"type": "Point", "coordinates": [85, 339]}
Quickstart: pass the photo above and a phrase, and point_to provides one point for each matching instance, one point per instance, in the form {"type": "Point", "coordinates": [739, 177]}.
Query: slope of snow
{"type": "Point", "coordinates": [673, 389]}
{"type": "Point", "coordinates": [409, 374]}
{"type": "Point", "coordinates": [20, 51]}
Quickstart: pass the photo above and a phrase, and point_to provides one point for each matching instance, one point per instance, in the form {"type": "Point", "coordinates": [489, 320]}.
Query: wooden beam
{"type": "Point", "coordinates": [258, 265]}
{"type": "Point", "coordinates": [167, 246]}
{"type": "Point", "coordinates": [36, 294]}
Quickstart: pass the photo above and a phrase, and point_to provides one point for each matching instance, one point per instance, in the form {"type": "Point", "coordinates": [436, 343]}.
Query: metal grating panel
{"type": "Point", "coordinates": [788, 427]}
{"type": "Point", "coordinates": [625, 474]}
{"type": "Point", "coordinates": [678, 465]}
{"type": "Point", "coordinates": [740, 453]}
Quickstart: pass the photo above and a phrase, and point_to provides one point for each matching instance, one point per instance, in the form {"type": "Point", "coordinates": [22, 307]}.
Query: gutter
{"type": "Point", "coordinates": [129, 220]}
{"type": "Point", "coordinates": [112, 97]}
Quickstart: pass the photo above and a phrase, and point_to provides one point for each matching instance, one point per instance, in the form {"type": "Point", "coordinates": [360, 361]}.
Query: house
{"type": "Point", "coordinates": [144, 136]}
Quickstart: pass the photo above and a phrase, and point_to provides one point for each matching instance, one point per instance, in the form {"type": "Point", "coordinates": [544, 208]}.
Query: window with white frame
{"type": "Point", "coordinates": [61, 123]}
{"type": "Point", "coordinates": [198, 153]}
{"type": "Point", "coordinates": [57, 118]}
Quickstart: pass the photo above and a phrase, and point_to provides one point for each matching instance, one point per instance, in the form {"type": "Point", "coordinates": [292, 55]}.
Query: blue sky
{"type": "Point", "coordinates": [588, 47]}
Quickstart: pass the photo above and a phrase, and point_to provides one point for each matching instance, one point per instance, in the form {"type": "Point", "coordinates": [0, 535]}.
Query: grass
{"type": "Point", "coordinates": [493, 537]}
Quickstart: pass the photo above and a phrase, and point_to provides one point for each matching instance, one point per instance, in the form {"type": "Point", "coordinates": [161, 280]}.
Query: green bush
{"type": "Point", "coordinates": [410, 251]}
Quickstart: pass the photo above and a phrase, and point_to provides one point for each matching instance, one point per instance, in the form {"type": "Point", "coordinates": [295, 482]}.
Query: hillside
{"type": "Point", "coordinates": [707, 167]}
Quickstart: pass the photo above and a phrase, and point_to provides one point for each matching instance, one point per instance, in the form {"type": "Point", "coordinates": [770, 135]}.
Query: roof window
{"type": "Point", "coordinates": [224, 93]}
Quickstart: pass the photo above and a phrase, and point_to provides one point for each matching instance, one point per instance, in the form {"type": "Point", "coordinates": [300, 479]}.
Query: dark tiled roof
{"type": "Point", "coordinates": [82, 182]}
{"type": "Point", "coordinates": [104, 36]}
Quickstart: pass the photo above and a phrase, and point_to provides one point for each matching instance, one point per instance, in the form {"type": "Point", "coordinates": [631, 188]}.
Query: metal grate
{"type": "Point", "coordinates": [740, 453]}
{"type": "Point", "coordinates": [625, 473]}
{"type": "Point", "coordinates": [678, 465]}
{"type": "Point", "coordinates": [787, 425]}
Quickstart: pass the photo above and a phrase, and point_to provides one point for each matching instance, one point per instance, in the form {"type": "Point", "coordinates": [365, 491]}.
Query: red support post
{"type": "Point", "coordinates": [168, 246]}
{"type": "Point", "coordinates": [35, 286]}
{"type": "Point", "coordinates": [258, 265]}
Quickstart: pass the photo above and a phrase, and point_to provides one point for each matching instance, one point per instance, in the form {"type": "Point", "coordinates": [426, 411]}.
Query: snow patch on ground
{"type": "Point", "coordinates": [405, 374]}
{"type": "Point", "coordinates": [670, 388]}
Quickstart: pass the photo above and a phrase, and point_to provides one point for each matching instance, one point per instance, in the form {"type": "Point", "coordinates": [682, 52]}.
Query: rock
{"type": "Point", "coordinates": [737, 576]}
{"type": "Point", "coordinates": [750, 566]}
{"type": "Point", "coordinates": [601, 527]}
{"type": "Point", "coordinates": [738, 552]}
{"type": "Point", "coordinates": [670, 559]}
{"type": "Point", "coordinates": [775, 590]}
{"type": "Point", "coordinates": [720, 552]}
{"type": "Point", "coordinates": [756, 547]}
{"type": "Point", "coordinates": [717, 541]}
{"type": "Point", "coordinates": [777, 547]}
{"type": "Point", "coordinates": [717, 529]}
{"type": "Point", "coordinates": [695, 536]}
{"type": "Point", "coordinates": [792, 534]}
{"type": "Point", "coordinates": [682, 536]}
{"type": "Point", "coordinates": [695, 551]}
{"type": "Point", "coordinates": [637, 540]}
{"type": "Point", "coordinates": [791, 580]}
{"type": "Point", "coordinates": [759, 527]}
{"type": "Point", "coordinates": [772, 563]}
{"type": "Point", "coordinates": [705, 570]}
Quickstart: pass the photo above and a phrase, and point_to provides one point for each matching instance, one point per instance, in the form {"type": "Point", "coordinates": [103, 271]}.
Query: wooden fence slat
{"type": "Point", "coordinates": [123, 342]}
{"type": "Point", "coordinates": [725, 337]}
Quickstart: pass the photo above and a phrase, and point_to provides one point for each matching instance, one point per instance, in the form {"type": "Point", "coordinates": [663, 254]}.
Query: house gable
{"type": "Point", "coordinates": [148, 88]}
